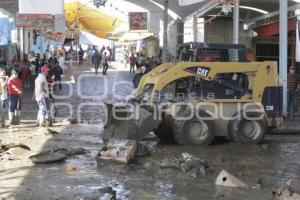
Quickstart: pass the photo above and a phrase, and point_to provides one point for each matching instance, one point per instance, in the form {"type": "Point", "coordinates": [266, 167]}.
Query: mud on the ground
{"type": "Point", "coordinates": [78, 176]}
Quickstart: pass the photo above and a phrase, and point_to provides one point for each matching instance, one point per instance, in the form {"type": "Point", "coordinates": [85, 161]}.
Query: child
{"type": "Point", "coordinates": [15, 90]}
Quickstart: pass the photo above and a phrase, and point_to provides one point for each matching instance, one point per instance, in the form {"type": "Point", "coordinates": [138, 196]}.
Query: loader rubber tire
{"type": "Point", "coordinates": [186, 132]}
{"type": "Point", "coordinates": [248, 131]}
{"type": "Point", "coordinates": [164, 130]}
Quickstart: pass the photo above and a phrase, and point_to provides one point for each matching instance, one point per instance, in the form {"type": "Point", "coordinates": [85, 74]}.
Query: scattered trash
{"type": "Point", "coordinates": [69, 121]}
{"type": "Point", "coordinates": [109, 194]}
{"type": "Point", "coordinates": [226, 179]}
{"type": "Point", "coordinates": [56, 155]}
{"type": "Point", "coordinates": [288, 191]}
{"type": "Point", "coordinates": [142, 150]}
{"type": "Point", "coordinates": [6, 147]}
{"type": "Point", "coordinates": [120, 151]}
{"type": "Point", "coordinates": [186, 163]}
{"type": "Point", "coordinates": [6, 152]}
{"type": "Point", "coordinates": [103, 194]}
{"type": "Point", "coordinates": [258, 185]}
{"type": "Point", "coordinates": [48, 157]}
{"type": "Point", "coordinates": [72, 151]}
{"type": "Point", "coordinates": [51, 132]}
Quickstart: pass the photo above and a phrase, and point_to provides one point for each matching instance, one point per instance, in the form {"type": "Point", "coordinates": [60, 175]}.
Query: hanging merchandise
{"type": "Point", "coordinates": [298, 40]}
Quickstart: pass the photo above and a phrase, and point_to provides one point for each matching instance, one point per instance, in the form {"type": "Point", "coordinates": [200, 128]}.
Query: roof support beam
{"type": "Point", "coordinates": [283, 50]}
{"type": "Point", "coordinates": [236, 22]}
{"type": "Point", "coordinates": [253, 21]}
{"type": "Point", "coordinates": [205, 9]}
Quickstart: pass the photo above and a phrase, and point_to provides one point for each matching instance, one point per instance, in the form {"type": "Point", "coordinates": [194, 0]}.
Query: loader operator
{"type": "Point", "coordinates": [293, 89]}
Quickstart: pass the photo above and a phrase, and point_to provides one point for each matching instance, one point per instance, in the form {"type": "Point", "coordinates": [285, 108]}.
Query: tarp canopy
{"type": "Point", "coordinates": [134, 36]}
{"type": "Point", "coordinates": [6, 27]}
{"type": "Point", "coordinates": [90, 19]}
{"type": "Point", "coordinates": [89, 39]}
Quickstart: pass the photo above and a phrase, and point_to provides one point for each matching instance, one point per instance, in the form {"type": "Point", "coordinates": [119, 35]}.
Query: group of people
{"type": "Point", "coordinates": [102, 57]}
{"type": "Point", "coordinates": [40, 74]}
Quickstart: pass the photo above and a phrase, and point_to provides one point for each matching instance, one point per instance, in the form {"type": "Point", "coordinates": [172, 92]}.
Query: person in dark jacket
{"type": "Point", "coordinates": [57, 72]}
{"type": "Point", "coordinates": [96, 60]}
{"type": "Point", "coordinates": [80, 54]}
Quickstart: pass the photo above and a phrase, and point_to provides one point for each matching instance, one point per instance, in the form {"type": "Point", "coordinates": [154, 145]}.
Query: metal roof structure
{"type": "Point", "coordinates": [248, 8]}
{"type": "Point", "coordinates": [11, 6]}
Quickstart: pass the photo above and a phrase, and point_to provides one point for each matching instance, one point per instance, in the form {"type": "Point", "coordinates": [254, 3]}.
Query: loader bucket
{"type": "Point", "coordinates": [134, 128]}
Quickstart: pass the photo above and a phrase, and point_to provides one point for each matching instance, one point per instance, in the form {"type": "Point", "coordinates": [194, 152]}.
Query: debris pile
{"type": "Point", "coordinates": [106, 193]}
{"type": "Point", "coordinates": [289, 191]}
{"type": "Point", "coordinates": [186, 163]}
{"type": "Point", "coordinates": [56, 155]}
{"type": "Point", "coordinates": [226, 179]}
{"type": "Point", "coordinates": [5, 150]}
{"type": "Point", "coordinates": [119, 151]}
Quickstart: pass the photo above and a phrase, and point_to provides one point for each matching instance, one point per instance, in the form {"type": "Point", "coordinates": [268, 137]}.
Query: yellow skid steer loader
{"type": "Point", "coordinates": [192, 102]}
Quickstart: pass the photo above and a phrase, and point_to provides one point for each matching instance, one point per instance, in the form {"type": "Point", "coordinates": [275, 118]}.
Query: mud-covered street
{"type": "Point", "coordinates": [263, 167]}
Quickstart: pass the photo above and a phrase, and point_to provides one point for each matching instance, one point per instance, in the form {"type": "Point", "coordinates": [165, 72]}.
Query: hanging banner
{"type": "Point", "coordinates": [56, 36]}
{"type": "Point", "coordinates": [35, 21]}
{"type": "Point", "coordinates": [298, 40]}
{"type": "Point", "coordinates": [138, 21]}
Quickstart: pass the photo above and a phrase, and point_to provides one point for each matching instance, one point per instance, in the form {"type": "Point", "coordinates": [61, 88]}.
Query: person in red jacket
{"type": "Point", "coordinates": [15, 90]}
{"type": "Point", "coordinates": [25, 75]}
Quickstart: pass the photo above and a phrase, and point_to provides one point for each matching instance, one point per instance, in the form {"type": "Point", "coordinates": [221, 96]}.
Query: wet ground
{"type": "Point", "coordinates": [79, 176]}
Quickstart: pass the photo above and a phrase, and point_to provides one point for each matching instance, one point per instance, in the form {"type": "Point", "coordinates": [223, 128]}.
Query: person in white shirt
{"type": "Point", "coordinates": [107, 52]}
{"type": "Point", "coordinates": [41, 95]}
{"type": "Point", "coordinates": [4, 95]}
{"type": "Point", "coordinates": [61, 61]}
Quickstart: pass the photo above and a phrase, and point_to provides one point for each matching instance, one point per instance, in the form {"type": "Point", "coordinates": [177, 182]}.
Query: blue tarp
{"type": "Point", "coordinates": [6, 26]}
{"type": "Point", "coordinates": [42, 43]}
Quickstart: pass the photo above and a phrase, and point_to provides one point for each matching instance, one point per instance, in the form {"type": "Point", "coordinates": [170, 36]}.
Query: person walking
{"type": "Point", "coordinates": [41, 95]}
{"type": "Point", "coordinates": [15, 90]}
{"type": "Point", "coordinates": [96, 60]}
{"type": "Point", "coordinates": [104, 61]}
{"type": "Point", "coordinates": [80, 54]}
{"type": "Point", "coordinates": [25, 75]}
{"type": "Point", "coordinates": [4, 95]}
{"type": "Point", "coordinates": [132, 62]}
{"type": "Point", "coordinates": [57, 72]}
{"type": "Point", "coordinates": [293, 89]}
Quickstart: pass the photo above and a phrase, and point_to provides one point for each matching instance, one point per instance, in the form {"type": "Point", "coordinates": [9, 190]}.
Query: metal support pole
{"type": "Point", "coordinates": [283, 43]}
{"type": "Point", "coordinates": [236, 21]}
{"type": "Point", "coordinates": [195, 29]}
{"type": "Point", "coordinates": [165, 36]}
{"type": "Point", "coordinates": [21, 40]}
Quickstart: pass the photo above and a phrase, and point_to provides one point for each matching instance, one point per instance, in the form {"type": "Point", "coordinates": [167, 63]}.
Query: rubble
{"type": "Point", "coordinates": [69, 121]}
{"type": "Point", "coordinates": [106, 193]}
{"type": "Point", "coordinates": [119, 151]}
{"type": "Point", "coordinates": [186, 163]}
{"type": "Point", "coordinates": [288, 191]}
{"type": "Point", "coordinates": [6, 147]}
{"type": "Point", "coordinates": [226, 179]}
{"type": "Point", "coordinates": [142, 150]}
{"type": "Point", "coordinates": [48, 157]}
{"type": "Point", "coordinates": [11, 151]}
{"type": "Point", "coordinates": [56, 155]}
{"type": "Point", "coordinates": [51, 132]}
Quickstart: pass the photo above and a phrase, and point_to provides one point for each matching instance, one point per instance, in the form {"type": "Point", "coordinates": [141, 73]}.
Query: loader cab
{"type": "Point", "coordinates": [223, 86]}
{"type": "Point", "coordinates": [212, 52]}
